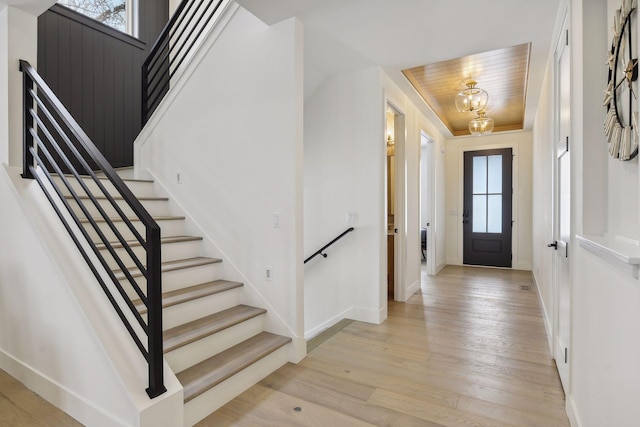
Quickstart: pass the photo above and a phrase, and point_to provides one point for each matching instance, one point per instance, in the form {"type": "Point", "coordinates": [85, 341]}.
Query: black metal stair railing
{"type": "Point", "coordinates": [56, 146]}
{"type": "Point", "coordinates": [321, 250]}
{"type": "Point", "coordinates": [172, 47]}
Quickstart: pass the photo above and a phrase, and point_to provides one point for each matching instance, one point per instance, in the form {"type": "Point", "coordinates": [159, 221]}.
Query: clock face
{"type": "Point", "coordinates": [621, 96]}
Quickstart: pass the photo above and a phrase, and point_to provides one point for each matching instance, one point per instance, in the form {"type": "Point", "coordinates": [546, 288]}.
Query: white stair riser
{"type": "Point", "coordinates": [169, 252]}
{"type": "Point", "coordinates": [167, 228]}
{"type": "Point", "coordinates": [195, 352]}
{"type": "Point", "coordinates": [178, 279]}
{"type": "Point", "coordinates": [208, 402]}
{"type": "Point", "coordinates": [200, 307]}
{"type": "Point", "coordinates": [138, 188]}
{"type": "Point", "coordinates": [154, 207]}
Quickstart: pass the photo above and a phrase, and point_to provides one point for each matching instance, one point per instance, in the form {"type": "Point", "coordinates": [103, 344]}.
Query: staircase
{"type": "Point", "coordinates": [216, 346]}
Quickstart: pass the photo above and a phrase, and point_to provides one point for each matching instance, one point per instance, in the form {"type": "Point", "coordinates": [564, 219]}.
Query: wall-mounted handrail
{"type": "Point", "coordinates": [321, 250]}
{"type": "Point", "coordinates": [172, 47]}
{"type": "Point", "coordinates": [56, 146]}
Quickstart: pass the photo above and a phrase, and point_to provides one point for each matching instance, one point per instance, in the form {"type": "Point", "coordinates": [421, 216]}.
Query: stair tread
{"type": "Point", "coordinates": [134, 219]}
{"type": "Point", "coordinates": [192, 331]}
{"type": "Point", "coordinates": [171, 266]}
{"type": "Point", "coordinates": [190, 293]}
{"type": "Point", "coordinates": [211, 372]}
{"type": "Point", "coordinates": [148, 198]}
{"type": "Point", "coordinates": [163, 240]}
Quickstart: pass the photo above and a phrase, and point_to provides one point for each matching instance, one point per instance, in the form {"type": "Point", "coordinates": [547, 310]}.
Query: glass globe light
{"type": "Point", "coordinates": [481, 125]}
{"type": "Point", "coordinates": [472, 98]}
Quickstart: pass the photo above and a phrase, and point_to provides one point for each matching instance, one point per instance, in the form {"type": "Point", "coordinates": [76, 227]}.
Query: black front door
{"type": "Point", "coordinates": [487, 207]}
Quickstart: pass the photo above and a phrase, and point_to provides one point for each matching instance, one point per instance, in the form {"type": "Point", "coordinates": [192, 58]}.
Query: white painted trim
{"type": "Point", "coordinates": [368, 315]}
{"type": "Point", "coordinates": [545, 314]}
{"type": "Point", "coordinates": [57, 394]}
{"type": "Point", "coordinates": [522, 265]}
{"type": "Point", "coordinates": [439, 267]}
{"type": "Point", "coordinates": [572, 412]}
{"type": "Point", "coordinates": [412, 289]}
{"type": "Point", "coordinates": [454, 261]}
{"type": "Point", "coordinates": [326, 325]}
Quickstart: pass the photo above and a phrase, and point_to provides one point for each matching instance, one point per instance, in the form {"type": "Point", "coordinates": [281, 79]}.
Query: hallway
{"type": "Point", "coordinates": [469, 349]}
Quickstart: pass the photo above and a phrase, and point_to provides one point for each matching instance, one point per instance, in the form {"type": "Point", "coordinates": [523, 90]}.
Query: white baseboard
{"type": "Point", "coordinates": [454, 261]}
{"type": "Point", "coordinates": [545, 313]}
{"type": "Point", "coordinates": [572, 413]}
{"type": "Point", "coordinates": [439, 267]}
{"type": "Point", "coordinates": [326, 325]}
{"type": "Point", "coordinates": [367, 314]}
{"type": "Point", "coordinates": [522, 265]}
{"type": "Point", "coordinates": [56, 394]}
{"type": "Point", "coordinates": [412, 289]}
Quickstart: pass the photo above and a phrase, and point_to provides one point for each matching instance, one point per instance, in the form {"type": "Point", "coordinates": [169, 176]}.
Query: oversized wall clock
{"type": "Point", "coordinates": [621, 95]}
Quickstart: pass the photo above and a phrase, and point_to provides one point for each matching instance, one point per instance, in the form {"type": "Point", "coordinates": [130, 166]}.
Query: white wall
{"type": "Point", "coordinates": [415, 124]}
{"type": "Point", "coordinates": [344, 154]}
{"type": "Point", "coordinates": [345, 171]}
{"type": "Point", "coordinates": [605, 374]}
{"type": "Point", "coordinates": [59, 334]}
{"type": "Point", "coordinates": [18, 40]}
{"type": "Point", "coordinates": [521, 142]}
{"type": "Point", "coordinates": [605, 305]}
{"type": "Point", "coordinates": [232, 126]}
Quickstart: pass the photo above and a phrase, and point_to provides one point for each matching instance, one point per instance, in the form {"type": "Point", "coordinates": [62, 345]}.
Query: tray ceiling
{"type": "Point", "coordinates": [503, 73]}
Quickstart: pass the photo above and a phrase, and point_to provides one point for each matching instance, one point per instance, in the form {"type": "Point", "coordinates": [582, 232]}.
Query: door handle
{"type": "Point", "coordinates": [395, 230]}
{"type": "Point", "coordinates": [428, 224]}
{"type": "Point", "coordinates": [553, 245]}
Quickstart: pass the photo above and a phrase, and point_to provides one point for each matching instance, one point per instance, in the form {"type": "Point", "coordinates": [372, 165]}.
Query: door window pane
{"type": "Point", "coordinates": [495, 174]}
{"type": "Point", "coordinates": [479, 174]}
{"type": "Point", "coordinates": [479, 214]}
{"type": "Point", "coordinates": [494, 214]}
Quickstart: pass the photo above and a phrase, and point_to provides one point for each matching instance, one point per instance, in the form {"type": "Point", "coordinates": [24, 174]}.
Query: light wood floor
{"type": "Point", "coordinates": [469, 349]}
{"type": "Point", "coordinates": [20, 407]}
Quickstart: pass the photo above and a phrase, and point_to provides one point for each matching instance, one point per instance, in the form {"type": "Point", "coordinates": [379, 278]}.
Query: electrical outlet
{"type": "Point", "coordinates": [352, 217]}
{"type": "Point", "coordinates": [267, 273]}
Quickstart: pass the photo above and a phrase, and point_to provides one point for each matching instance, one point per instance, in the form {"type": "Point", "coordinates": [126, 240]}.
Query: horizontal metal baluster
{"type": "Point", "coordinates": [104, 287]}
{"type": "Point", "coordinates": [86, 166]}
{"type": "Point", "coordinates": [66, 161]}
{"type": "Point", "coordinates": [84, 232]}
{"type": "Point", "coordinates": [111, 225]}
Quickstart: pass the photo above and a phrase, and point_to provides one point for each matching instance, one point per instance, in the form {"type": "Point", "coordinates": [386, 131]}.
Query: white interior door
{"type": "Point", "coordinates": [562, 213]}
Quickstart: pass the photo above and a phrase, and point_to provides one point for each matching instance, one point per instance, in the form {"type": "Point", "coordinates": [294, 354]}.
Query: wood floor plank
{"type": "Point", "coordinates": [468, 349]}
{"type": "Point", "coordinates": [274, 408]}
{"type": "Point", "coordinates": [19, 406]}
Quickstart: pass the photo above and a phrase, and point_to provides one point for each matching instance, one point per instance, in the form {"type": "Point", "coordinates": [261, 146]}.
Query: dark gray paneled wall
{"type": "Point", "coordinates": [95, 71]}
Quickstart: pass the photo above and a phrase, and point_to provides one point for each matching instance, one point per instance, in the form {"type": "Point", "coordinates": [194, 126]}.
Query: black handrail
{"type": "Point", "coordinates": [321, 250]}
{"type": "Point", "coordinates": [53, 146]}
{"type": "Point", "coordinates": [181, 33]}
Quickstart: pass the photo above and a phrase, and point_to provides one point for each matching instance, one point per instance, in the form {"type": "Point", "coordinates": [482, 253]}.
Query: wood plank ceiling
{"type": "Point", "coordinates": [503, 73]}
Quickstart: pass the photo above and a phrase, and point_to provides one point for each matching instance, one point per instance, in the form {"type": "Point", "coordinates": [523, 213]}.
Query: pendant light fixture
{"type": "Point", "coordinates": [481, 125]}
{"type": "Point", "coordinates": [472, 98]}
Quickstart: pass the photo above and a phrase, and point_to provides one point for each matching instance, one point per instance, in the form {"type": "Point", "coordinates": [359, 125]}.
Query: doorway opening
{"type": "Point", "coordinates": [427, 204]}
{"type": "Point", "coordinates": [487, 214]}
{"type": "Point", "coordinates": [394, 200]}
